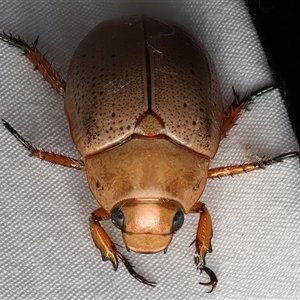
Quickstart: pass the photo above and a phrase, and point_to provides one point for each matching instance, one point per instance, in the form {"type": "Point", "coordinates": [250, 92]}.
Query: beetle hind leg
{"type": "Point", "coordinates": [107, 247]}
{"type": "Point", "coordinates": [238, 106]}
{"type": "Point", "coordinates": [203, 243]}
{"type": "Point", "coordinates": [38, 60]}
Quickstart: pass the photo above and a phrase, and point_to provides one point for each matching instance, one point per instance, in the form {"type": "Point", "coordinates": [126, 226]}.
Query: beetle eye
{"type": "Point", "coordinates": [117, 217]}
{"type": "Point", "coordinates": [178, 220]}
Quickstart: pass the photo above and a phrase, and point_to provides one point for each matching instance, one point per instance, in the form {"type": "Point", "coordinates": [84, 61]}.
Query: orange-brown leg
{"type": "Point", "coordinates": [47, 156]}
{"type": "Point", "coordinates": [38, 60]}
{"type": "Point", "coordinates": [107, 247]}
{"type": "Point", "coordinates": [203, 242]}
{"type": "Point", "coordinates": [247, 167]}
{"type": "Point", "coordinates": [238, 106]}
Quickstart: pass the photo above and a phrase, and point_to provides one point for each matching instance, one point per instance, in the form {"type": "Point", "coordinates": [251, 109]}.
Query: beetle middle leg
{"type": "Point", "coordinates": [203, 242]}
{"type": "Point", "coordinates": [47, 156]}
{"type": "Point", "coordinates": [238, 106]}
{"type": "Point", "coordinates": [247, 167]}
{"type": "Point", "coordinates": [107, 247]}
{"type": "Point", "coordinates": [38, 60]}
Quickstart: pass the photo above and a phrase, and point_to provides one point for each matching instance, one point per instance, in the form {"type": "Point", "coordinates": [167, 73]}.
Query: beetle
{"type": "Point", "coordinates": [145, 111]}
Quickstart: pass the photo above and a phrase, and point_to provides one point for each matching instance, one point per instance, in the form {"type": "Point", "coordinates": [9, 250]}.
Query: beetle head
{"type": "Point", "coordinates": [148, 224]}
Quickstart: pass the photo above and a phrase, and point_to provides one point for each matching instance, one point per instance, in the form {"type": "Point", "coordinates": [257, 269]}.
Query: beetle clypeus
{"type": "Point", "coordinates": [145, 111]}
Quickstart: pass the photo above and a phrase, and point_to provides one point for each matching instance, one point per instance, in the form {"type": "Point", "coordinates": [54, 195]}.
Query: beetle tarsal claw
{"type": "Point", "coordinates": [132, 272]}
{"type": "Point", "coordinates": [200, 264]}
{"type": "Point", "coordinates": [213, 278]}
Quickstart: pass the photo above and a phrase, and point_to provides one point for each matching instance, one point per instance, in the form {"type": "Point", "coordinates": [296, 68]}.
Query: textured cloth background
{"type": "Point", "coordinates": [46, 251]}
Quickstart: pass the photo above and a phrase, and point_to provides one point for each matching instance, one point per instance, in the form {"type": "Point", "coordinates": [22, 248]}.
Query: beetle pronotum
{"type": "Point", "coordinates": [145, 112]}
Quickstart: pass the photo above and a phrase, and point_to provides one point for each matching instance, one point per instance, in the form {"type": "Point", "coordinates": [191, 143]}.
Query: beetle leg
{"type": "Point", "coordinates": [203, 243]}
{"type": "Point", "coordinates": [101, 239]}
{"type": "Point", "coordinates": [238, 106]}
{"type": "Point", "coordinates": [38, 60]}
{"type": "Point", "coordinates": [43, 155]}
{"type": "Point", "coordinates": [107, 247]}
{"type": "Point", "coordinates": [247, 167]}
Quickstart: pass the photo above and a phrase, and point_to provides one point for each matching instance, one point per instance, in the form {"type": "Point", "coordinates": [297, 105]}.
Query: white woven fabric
{"type": "Point", "coordinates": [46, 251]}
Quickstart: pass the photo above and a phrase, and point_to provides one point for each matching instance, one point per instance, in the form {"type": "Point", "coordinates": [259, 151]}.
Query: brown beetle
{"type": "Point", "coordinates": [145, 111]}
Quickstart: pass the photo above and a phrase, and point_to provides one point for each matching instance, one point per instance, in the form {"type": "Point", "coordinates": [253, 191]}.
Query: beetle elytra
{"type": "Point", "coordinates": [145, 112]}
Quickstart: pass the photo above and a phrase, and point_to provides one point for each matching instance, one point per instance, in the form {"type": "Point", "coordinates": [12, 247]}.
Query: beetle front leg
{"type": "Point", "coordinates": [101, 239]}
{"type": "Point", "coordinates": [43, 155]}
{"type": "Point", "coordinates": [203, 242]}
{"type": "Point", "coordinates": [107, 247]}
